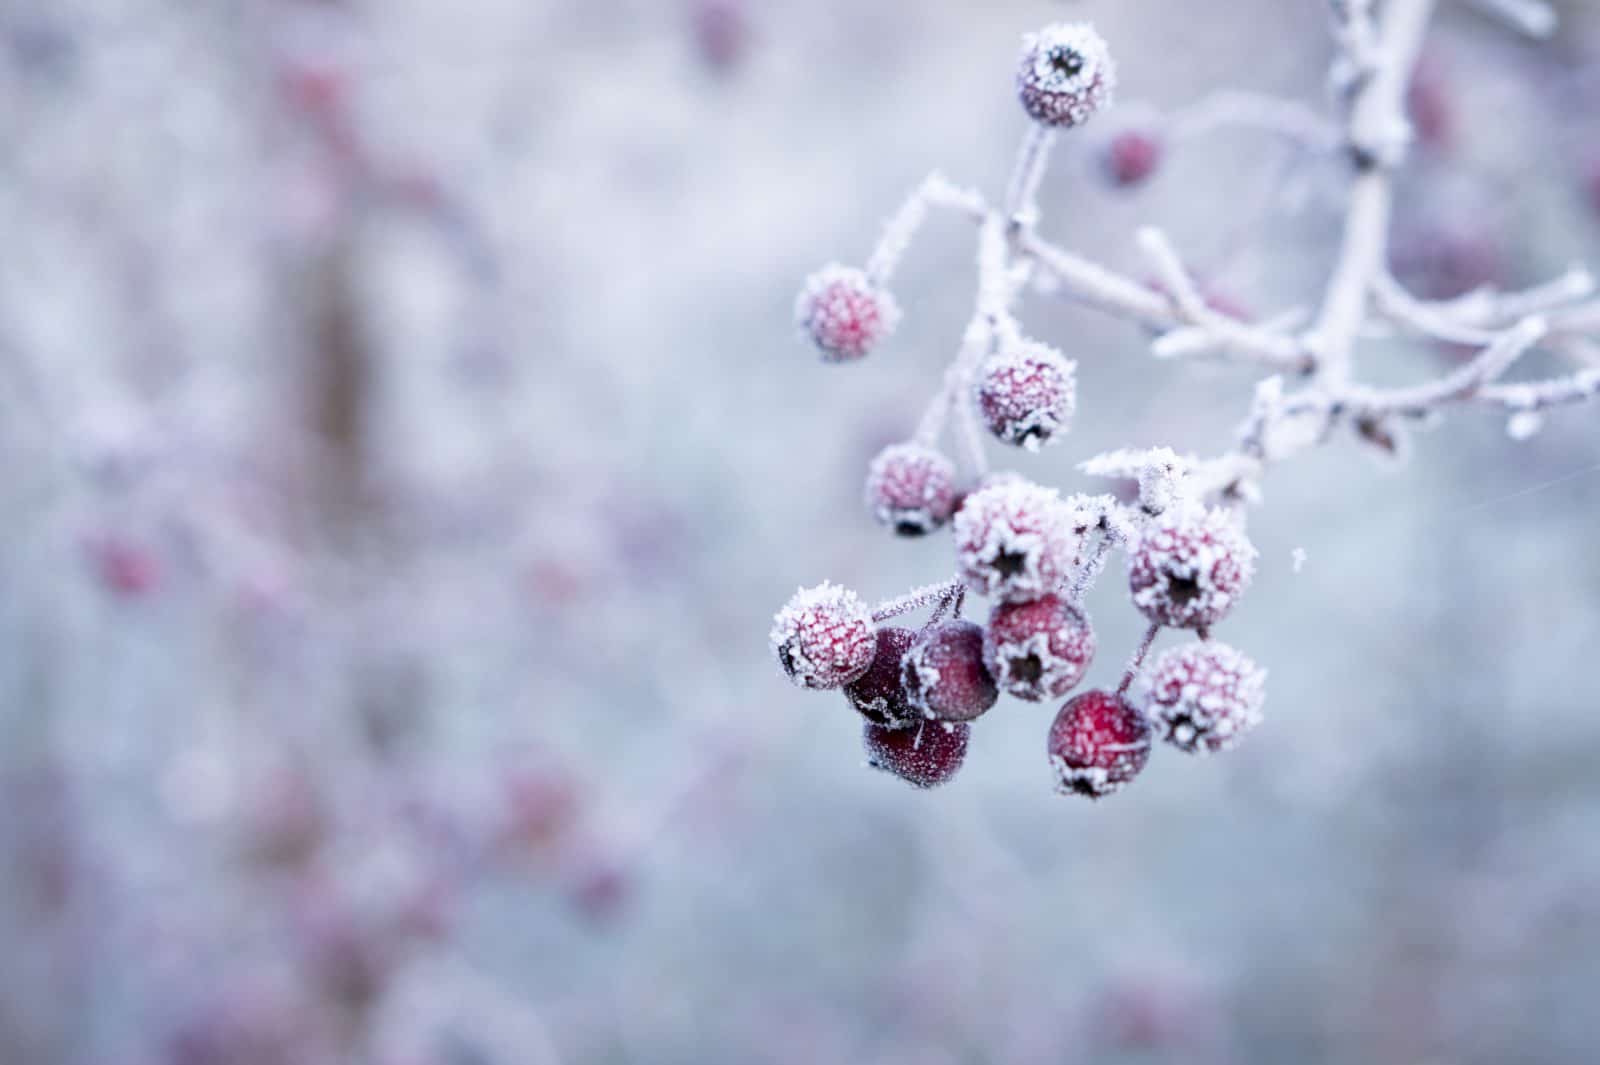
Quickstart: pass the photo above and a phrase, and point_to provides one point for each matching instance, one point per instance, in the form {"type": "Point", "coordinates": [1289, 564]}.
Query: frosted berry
{"type": "Point", "coordinates": [1026, 395]}
{"type": "Point", "coordinates": [911, 488]}
{"type": "Point", "coordinates": [1189, 567]}
{"type": "Point", "coordinates": [1203, 697]}
{"type": "Point", "coordinates": [1131, 157]}
{"type": "Point", "coordinates": [925, 756]}
{"type": "Point", "coordinates": [1014, 541]}
{"type": "Point", "coordinates": [1066, 74]}
{"type": "Point", "coordinates": [824, 637]}
{"type": "Point", "coordinates": [1038, 650]}
{"type": "Point", "coordinates": [844, 313]}
{"type": "Point", "coordinates": [944, 674]}
{"type": "Point", "coordinates": [1098, 743]}
{"type": "Point", "coordinates": [878, 694]}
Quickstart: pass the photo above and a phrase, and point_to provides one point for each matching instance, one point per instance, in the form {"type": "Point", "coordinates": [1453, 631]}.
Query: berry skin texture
{"type": "Point", "coordinates": [1027, 395]}
{"type": "Point", "coordinates": [1098, 743]}
{"type": "Point", "coordinates": [1189, 566]}
{"type": "Point", "coordinates": [1203, 697]}
{"type": "Point", "coordinates": [878, 695]}
{"type": "Point", "coordinates": [824, 637]}
{"type": "Point", "coordinates": [944, 674]}
{"type": "Point", "coordinates": [1015, 541]}
{"type": "Point", "coordinates": [844, 313]}
{"type": "Point", "coordinates": [1066, 74]}
{"type": "Point", "coordinates": [1131, 157]}
{"type": "Point", "coordinates": [911, 488]}
{"type": "Point", "coordinates": [1038, 650]}
{"type": "Point", "coordinates": [924, 757]}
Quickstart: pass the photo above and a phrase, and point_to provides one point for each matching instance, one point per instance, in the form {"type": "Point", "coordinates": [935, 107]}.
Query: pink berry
{"type": "Point", "coordinates": [721, 31]}
{"type": "Point", "coordinates": [944, 674]}
{"type": "Point", "coordinates": [1026, 395]}
{"type": "Point", "coordinates": [1203, 697]}
{"type": "Point", "coordinates": [1038, 650]}
{"type": "Point", "coordinates": [925, 756]}
{"type": "Point", "coordinates": [824, 637]}
{"type": "Point", "coordinates": [1098, 743]}
{"type": "Point", "coordinates": [878, 694]}
{"type": "Point", "coordinates": [911, 488]}
{"type": "Point", "coordinates": [1189, 567]}
{"type": "Point", "coordinates": [1131, 157]}
{"type": "Point", "coordinates": [844, 313]}
{"type": "Point", "coordinates": [1014, 540]}
{"type": "Point", "coordinates": [1065, 75]}
{"type": "Point", "coordinates": [124, 568]}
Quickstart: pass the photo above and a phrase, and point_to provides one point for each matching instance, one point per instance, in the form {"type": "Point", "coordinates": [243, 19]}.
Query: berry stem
{"type": "Point", "coordinates": [916, 599]}
{"type": "Point", "coordinates": [1022, 194]}
{"type": "Point", "coordinates": [1138, 657]}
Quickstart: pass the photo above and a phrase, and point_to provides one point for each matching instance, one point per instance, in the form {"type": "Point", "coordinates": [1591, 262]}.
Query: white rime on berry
{"type": "Point", "coordinates": [911, 488]}
{"type": "Point", "coordinates": [824, 637]}
{"type": "Point", "coordinates": [1203, 697]}
{"type": "Point", "coordinates": [1026, 393]}
{"type": "Point", "coordinates": [1015, 540]}
{"type": "Point", "coordinates": [1065, 75]}
{"type": "Point", "coordinates": [1188, 567]}
{"type": "Point", "coordinates": [843, 313]}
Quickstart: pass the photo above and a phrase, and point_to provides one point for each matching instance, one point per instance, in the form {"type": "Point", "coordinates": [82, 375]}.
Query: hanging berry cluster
{"type": "Point", "coordinates": [1034, 553]}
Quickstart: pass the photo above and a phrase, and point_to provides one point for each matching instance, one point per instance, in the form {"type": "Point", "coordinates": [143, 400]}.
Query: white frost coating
{"type": "Point", "coordinates": [1297, 559]}
{"type": "Point", "coordinates": [911, 488]}
{"type": "Point", "coordinates": [1066, 74]}
{"type": "Point", "coordinates": [843, 313]}
{"type": "Point", "coordinates": [1038, 650]}
{"type": "Point", "coordinates": [1126, 464]}
{"type": "Point", "coordinates": [1524, 425]}
{"type": "Point", "coordinates": [1203, 697]}
{"type": "Point", "coordinates": [1015, 540]}
{"type": "Point", "coordinates": [1161, 480]}
{"type": "Point", "coordinates": [1026, 393]}
{"type": "Point", "coordinates": [824, 637]}
{"type": "Point", "coordinates": [1189, 567]}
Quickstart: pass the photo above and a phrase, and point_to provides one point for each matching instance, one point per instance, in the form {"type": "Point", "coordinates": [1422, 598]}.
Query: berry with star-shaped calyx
{"type": "Point", "coordinates": [1040, 649]}
{"type": "Point", "coordinates": [1015, 540]}
{"type": "Point", "coordinates": [1188, 568]}
{"type": "Point", "coordinates": [1065, 75]}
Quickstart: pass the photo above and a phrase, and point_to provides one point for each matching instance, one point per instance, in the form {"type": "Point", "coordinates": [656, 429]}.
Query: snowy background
{"type": "Point", "coordinates": [406, 444]}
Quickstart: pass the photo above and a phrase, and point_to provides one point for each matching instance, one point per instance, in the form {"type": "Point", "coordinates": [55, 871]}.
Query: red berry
{"type": "Point", "coordinates": [1027, 395]}
{"type": "Point", "coordinates": [925, 756]}
{"type": "Point", "coordinates": [1189, 567]}
{"type": "Point", "coordinates": [1203, 697]}
{"type": "Point", "coordinates": [1131, 157]}
{"type": "Point", "coordinates": [824, 637]}
{"type": "Point", "coordinates": [1098, 743]}
{"type": "Point", "coordinates": [878, 694]}
{"type": "Point", "coordinates": [844, 313]}
{"type": "Point", "coordinates": [944, 674]}
{"type": "Point", "coordinates": [124, 568]}
{"type": "Point", "coordinates": [1038, 650]}
{"type": "Point", "coordinates": [722, 32]}
{"type": "Point", "coordinates": [911, 488]}
{"type": "Point", "coordinates": [1065, 75]}
{"type": "Point", "coordinates": [1015, 540]}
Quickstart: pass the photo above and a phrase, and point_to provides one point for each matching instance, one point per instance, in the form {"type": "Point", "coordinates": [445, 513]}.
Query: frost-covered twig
{"type": "Point", "coordinates": [1535, 18]}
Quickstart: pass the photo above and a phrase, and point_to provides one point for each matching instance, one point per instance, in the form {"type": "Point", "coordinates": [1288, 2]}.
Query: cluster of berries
{"type": "Point", "coordinates": [1030, 551]}
{"type": "Point", "coordinates": [1033, 552]}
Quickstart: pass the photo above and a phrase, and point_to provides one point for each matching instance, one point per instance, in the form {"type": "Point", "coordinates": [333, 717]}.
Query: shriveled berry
{"type": "Point", "coordinates": [844, 313]}
{"type": "Point", "coordinates": [878, 694]}
{"type": "Point", "coordinates": [1038, 650]}
{"type": "Point", "coordinates": [1015, 540]}
{"type": "Point", "coordinates": [1203, 697]}
{"type": "Point", "coordinates": [1188, 568]}
{"type": "Point", "coordinates": [824, 637]}
{"type": "Point", "coordinates": [1065, 75]}
{"type": "Point", "coordinates": [1131, 157]}
{"type": "Point", "coordinates": [1098, 743]}
{"type": "Point", "coordinates": [925, 756]}
{"type": "Point", "coordinates": [944, 674]}
{"type": "Point", "coordinates": [911, 488]}
{"type": "Point", "coordinates": [1027, 394]}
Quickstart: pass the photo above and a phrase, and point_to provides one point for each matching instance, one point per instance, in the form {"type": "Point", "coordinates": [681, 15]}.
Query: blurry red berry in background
{"type": "Point", "coordinates": [123, 568]}
{"type": "Point", "coordinates": [721, 31]}
{"type": "Point", "coordinates": [1131, 157]}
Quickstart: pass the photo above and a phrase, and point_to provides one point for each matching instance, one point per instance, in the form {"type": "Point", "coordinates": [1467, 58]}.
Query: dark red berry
{"type": "Point", "coordinates": [944, 674]}
{"type": "Point", "coordinates": [878, 694]}
{"type": "Point", "coordinates": [925, 756]}
{"type": "Point", "coordinates": [1098, 743]}
{"type": "Point", "coordinates": [1131, 157]}
{"type": "Point", "coordinates": [1038, 650]}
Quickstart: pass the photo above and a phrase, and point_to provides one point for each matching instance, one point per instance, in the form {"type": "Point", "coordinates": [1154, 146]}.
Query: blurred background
{"type": "Point", "coordinates": [405, 446]}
